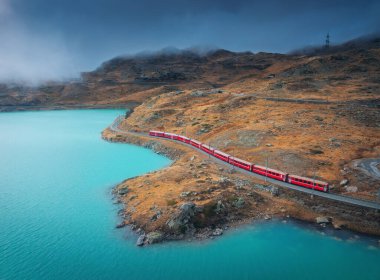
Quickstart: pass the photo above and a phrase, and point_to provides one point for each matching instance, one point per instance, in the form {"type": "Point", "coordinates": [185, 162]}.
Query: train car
{"type": "Point", "coordinates": [171, 136]}
{"type": "Point", "coordinates": [156, 133]}
{"type": "Point", "coordinates": [308, 183]}
{"type": "Point", "coordinates": [268, 172]}
{"type": "Point", "coordinates": [183, 139]}
{"type": "Point", "coordinates": [221, 155]}
{"type": "Point", "coordinates": [240, 163]}
{"type": "Point", "coordinates": [208, 149]}
{"type": "Point", "coordinates": [195, 143]}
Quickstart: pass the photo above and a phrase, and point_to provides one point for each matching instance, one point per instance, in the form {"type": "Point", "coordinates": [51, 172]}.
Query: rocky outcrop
{"type": "Point", "coordinates": [141, 240]}
{"type": "Point", "coordinates": [154, 237]}
{"type": "Point", "coordinates": [181, 222]}
{"type": "Point", "coordinates": [323, 220]}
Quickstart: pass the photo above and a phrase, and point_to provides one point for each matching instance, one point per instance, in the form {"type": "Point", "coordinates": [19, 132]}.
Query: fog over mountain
{"type": "Point", "coordinates": [52, 40]}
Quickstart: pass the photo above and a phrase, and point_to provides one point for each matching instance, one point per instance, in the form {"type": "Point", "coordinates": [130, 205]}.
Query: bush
{"type": "Point", "coordinates": [171, 202]}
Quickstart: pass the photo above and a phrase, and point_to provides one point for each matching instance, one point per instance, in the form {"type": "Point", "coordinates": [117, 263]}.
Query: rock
{"type": "Point", "coordinates": [274, 191]}
{"type": "Point", "coordinates": [156, 216]}
{"type": "Point", "coordinates": [337, 225]}
{"type": "Point", "coordinates": [154, 237]}
{"type": "Point", "coordinates": [219, 207]}
{"type": "Point", "coordinates": [185, 194]}
{"type": "Point", "coordinates": [120, 225]}
{"type": "Point", "coordinates": [239, 203]}
{"type": "Point", "coordinates": [181, 220]}
{"type": "Point", "coordinates": [343, 183]}
{"type": "Point", "coordinates": [141, 240]}
{"type": "Point", "coordinates": [197, 93]}
{"type": "Point", "coordinates": [217, 232]}
{"type": "Point", "coordinates": [322, 220]}
{"type": "Point", "coordinates": [351, 189]}
{"type": "Point", "coordinates": [123, 191]}
{"type": "Point", "coordinates": [268, 145]}
{"type": "Point", "coordinates": [192, 158]}
{"type": "Point", "coordinates": [267, 217]}
{"type": "Point", "coordinates": [132, 197]}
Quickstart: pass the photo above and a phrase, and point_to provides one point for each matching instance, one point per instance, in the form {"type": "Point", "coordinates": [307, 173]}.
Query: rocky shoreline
{"type": "Point", "coordinates": [230, 202]}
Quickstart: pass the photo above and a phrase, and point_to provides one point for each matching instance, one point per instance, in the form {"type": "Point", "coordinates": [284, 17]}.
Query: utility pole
{"type": "Point", "coordinates": [209, 148]}
{"type": "Point", "coordinates": [327, 44]}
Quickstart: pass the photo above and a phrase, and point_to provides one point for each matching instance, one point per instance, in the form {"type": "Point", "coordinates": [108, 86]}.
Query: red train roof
{"type": "Point", "coordinates": [195, 141]}
{"type": "Point", "coordinates": [208, 147]}
{"type": "Point", "coordinates": [269, 169]}
{"type": "Point", "coordinates": [221, 153]}
{"type": "Point", "coordinates": [308, 179]}
{"type": "Point", "coordinates": [171, 134]}
{"type": "Point", "coordinates": [240, 160]}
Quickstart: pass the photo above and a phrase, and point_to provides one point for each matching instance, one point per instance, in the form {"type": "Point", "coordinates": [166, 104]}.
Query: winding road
{"type": "Point", "coordinates": [340, 198]}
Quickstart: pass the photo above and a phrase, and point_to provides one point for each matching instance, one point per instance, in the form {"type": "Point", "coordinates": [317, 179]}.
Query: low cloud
{"type": "Point", "coordinates": [30, 57]}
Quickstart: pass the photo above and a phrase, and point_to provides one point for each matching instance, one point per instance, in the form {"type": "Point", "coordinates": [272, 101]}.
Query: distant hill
{"type": "Point", "coordinates": [135, 78]}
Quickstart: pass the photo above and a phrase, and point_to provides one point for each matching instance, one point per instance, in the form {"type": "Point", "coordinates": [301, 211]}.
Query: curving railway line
{"type": "Point", "coordinates": [336, 197]}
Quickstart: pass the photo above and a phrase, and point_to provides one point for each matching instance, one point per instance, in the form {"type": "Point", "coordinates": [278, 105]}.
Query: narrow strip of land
{"type": "Point", "coordinates": [340, 198]}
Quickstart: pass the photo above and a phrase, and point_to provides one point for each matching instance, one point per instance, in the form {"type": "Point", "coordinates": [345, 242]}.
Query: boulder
{"type": "Point", "coordinates": [217, 232]}
{"type": "Point", "coordinates": [239, 203]}
{"type": "Point", "coordinates": [185, 194]}
{"type": "Point", "coordinates": [154, 237]}
{"type": "Point", "coordinates": [351, 189]}
{"type": "Point", "coordinates": [322, 220]}
{"type": "Point", "coordinates": [343, 183]}
{"type": "Point", "coordinates": [123, 191]}
{"type": "Point", "coordinates": [219, 207]}
{"type": "Point", "coordinates": [183, 217]}
{"type": "Point", "coordinates": [120, 225]}
{"type": "Point", "coordinates": [140, 241]}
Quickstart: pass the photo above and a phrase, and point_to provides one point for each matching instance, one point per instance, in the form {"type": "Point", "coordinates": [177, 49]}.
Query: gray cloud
{"type": "Point", "coordinates": [53, 38]}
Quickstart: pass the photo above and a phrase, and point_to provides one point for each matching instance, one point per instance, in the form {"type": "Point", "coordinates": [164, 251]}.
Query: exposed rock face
{"type": "Point", "coordinates": [180, 222]}
{"type": "Point", "coordinates": [123, 191]}
{"type": "Point", "coordinates": [217, 232]}
{"type": "Point", "coordinates": [154, 237]}
{"type": "Point", "coordinates": [322, 220]}
{"type": "Point", "coordinates": [239, 202]}
{"type": "Point", "coordinates": [220, 207]}
{"type": "Point", "coordinates": [141, 240]}
{"type": "Point", "coordinates": [343, 183]}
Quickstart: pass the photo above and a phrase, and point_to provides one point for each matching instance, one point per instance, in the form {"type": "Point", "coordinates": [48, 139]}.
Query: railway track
{"type": "Point", "coordinates": [336, 197]}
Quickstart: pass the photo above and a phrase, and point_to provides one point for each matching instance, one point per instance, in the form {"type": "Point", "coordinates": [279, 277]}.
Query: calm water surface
{"type": "Point", "coordinates": [57, 218]}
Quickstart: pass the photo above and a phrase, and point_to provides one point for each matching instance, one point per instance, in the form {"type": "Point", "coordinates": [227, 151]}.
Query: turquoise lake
{"type": "Point", "coordinates": [57, 218]}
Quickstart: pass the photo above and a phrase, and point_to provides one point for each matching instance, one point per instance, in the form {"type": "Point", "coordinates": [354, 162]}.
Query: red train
{"type": "Point", "coordinates": [268, 172]}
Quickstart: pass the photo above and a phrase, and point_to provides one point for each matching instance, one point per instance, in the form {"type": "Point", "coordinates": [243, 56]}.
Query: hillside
{"type": "Point", "coordinates": [311, 115]}
{"type": "Point", "coordinates": [133, 79]}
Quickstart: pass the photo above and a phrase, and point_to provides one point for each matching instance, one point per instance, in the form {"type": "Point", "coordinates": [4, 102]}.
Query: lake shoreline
{"type": "Point", "coordinates": [28, 108]}
{"type": "Point", "coordinates": [176, 222]}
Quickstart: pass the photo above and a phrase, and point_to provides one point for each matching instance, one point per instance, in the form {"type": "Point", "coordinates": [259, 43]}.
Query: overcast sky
{"type": "Point", "coordinates": [50, 39]}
